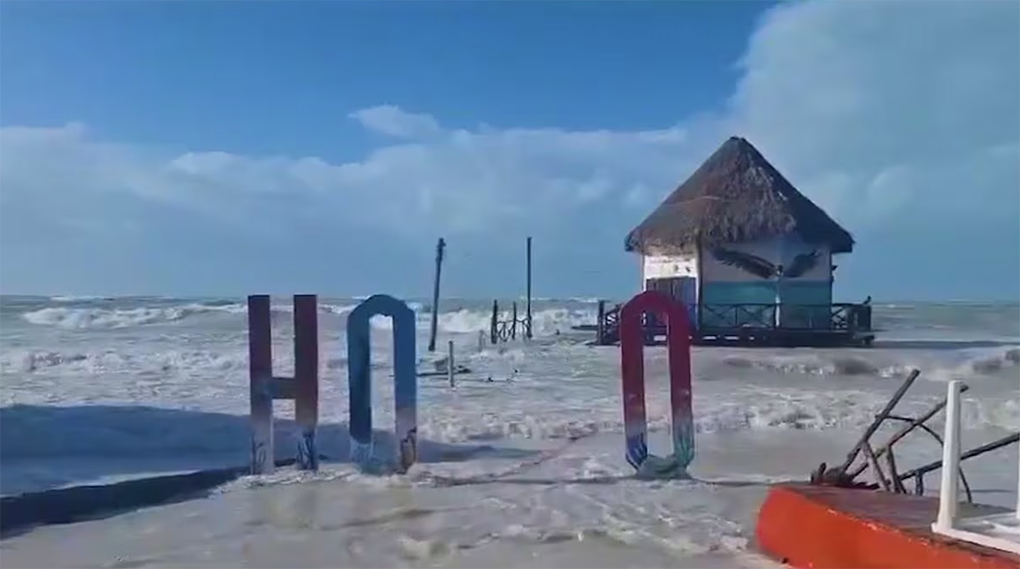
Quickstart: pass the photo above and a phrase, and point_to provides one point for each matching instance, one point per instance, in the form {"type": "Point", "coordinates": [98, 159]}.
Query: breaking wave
{"type": "Point", "coordinates": [544, 322]}
{"type": "Point", "coordinates": [984, 362]}
{"type": "Point", "coordinates": [92, 318]}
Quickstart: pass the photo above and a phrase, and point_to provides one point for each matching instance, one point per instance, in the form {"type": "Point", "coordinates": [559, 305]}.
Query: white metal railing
{"type": "Point", "coordinates": [998, 531]}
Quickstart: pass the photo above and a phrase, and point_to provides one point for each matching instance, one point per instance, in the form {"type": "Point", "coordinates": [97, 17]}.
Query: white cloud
{"type": "Point", "coordinates": [866, 92]}
{"type": "Point", "coordinates": [393, 121]}
{"type": "Point", "coordinates": [460, 181]}
{"type": "Point", "coordinates": [886, 113]}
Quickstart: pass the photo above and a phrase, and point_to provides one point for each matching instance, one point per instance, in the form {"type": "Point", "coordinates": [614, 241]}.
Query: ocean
{"type": "Point", "coordinates": [521, 464]}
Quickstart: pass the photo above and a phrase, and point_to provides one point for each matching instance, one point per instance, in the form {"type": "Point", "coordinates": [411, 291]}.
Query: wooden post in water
{"type": "Point", "coordinates": [513, 322]}
{"type": "Point", "coordinates": [494, 324]}
{"type": "Point", "coordinates": [527, 330]}
{"type": "Point", "coordinates": [435, 294]}
{"type": "Point", "coordinates": [450, 368]}
{"type": "Point", "coordinates": [600, 324]}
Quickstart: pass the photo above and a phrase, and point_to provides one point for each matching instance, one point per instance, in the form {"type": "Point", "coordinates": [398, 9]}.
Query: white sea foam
{"type": "Point", "coordinates": [86, 318]}
{"type": "Point", "coordinates": [76, 298]}
{"type": "Point", "coordinates": [525, 452]}
{"type": "Point", "coordinates": [544, 322]}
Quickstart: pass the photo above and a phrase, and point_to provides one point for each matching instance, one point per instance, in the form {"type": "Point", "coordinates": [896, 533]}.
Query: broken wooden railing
{"type": "Point", "coordinates": [889, 478]}
{"type": "Point", "coordinates": [507, 327]}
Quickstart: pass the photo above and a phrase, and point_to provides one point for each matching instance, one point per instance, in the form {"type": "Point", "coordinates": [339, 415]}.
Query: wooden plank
{"type": "Point", "coordinates": [260, 380]}
{"type": "Point", "coordinates": [306, 378]}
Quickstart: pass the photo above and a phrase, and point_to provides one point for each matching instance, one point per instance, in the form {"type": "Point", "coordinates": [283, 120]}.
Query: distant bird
{"type": "Point", "coordinates": [763, 268]}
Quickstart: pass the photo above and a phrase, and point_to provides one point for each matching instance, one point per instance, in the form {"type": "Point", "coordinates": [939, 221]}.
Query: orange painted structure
{"type": "Point", "coordinates": [827, 527]}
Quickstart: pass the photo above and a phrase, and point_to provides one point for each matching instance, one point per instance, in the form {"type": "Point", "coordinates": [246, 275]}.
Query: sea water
{"type": "Point", "coordinates": [521, 464]}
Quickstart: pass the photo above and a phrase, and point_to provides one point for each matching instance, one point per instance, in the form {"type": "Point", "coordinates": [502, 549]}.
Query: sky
{"type": "Point", "coordinates": [227, 148]}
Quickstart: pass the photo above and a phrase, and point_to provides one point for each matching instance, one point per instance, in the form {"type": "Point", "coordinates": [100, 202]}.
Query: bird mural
{"type": "Point", "coordinates": [763, 268]}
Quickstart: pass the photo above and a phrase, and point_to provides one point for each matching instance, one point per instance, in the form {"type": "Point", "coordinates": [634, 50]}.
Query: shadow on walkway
{"type": "Point", "coordinates": [45, 449]}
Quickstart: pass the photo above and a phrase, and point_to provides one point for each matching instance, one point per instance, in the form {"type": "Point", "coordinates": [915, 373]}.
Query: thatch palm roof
{"type": "Point", "coordinates": [735, 196]}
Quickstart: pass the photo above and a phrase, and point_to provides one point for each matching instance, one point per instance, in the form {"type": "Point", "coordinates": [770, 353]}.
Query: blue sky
{"type": "Point", "coordinates": [235, 147]}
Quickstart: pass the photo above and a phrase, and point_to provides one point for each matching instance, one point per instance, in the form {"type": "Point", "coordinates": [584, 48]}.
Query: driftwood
{"type": "Point", "coordinates": [835, 476]}
{"type": "Point", "coordinates": [870, 431]}
{"type": "Point", "coordinates": [845, 475]}
{"type": "Point", "coordinates": [988, 447]}
{"type": "Point", "coordinates": [910, 426]}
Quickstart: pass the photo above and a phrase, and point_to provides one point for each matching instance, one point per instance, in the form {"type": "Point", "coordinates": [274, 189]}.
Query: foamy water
{"type": "Point", "coordinates": [521, 463]}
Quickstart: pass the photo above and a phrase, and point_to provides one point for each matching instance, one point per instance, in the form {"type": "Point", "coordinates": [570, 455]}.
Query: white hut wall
{"type": "Point", "coordinates": [675, 275]}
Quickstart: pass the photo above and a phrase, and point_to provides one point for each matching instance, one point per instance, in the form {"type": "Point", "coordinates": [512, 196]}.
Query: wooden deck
{"type": "Point", "coordinates": [836, 325]}
{"type": "Point", "coordinates": [833, 528]}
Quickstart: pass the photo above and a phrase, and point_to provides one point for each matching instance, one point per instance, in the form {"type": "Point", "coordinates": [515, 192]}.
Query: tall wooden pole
{"type": "Point", "coordinates": [435, 294]}
{"type": "Point", "coordinates": [527, 331]}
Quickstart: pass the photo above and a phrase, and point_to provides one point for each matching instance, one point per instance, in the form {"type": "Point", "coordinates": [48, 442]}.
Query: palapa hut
{"type": "Point", "coordinates": [738, 233]}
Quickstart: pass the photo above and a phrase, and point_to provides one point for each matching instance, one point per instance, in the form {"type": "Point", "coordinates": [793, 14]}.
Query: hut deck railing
{"type": "Point", "coordinates": [846, 317]}
{"type": "Point", "coordinates": [838, 316]}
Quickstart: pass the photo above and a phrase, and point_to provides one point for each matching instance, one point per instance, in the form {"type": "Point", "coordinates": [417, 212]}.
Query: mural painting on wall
{"type": "Point", "coordinates": [763, 268]}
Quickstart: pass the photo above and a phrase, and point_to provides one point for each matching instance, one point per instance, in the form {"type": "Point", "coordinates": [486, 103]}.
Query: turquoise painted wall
{"type": "Point", "coordinates": [806, 292]}
{"type": "Point", "coordinates": [724, 293]}
{"type": "Point", "coordinates": [761, 292]}
{"type": "Point", "coordinates": [805, 304]}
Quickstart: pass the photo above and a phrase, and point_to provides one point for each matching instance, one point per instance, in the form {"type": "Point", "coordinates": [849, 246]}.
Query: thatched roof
{"type": "Point", "coordinates": [735, 196]}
